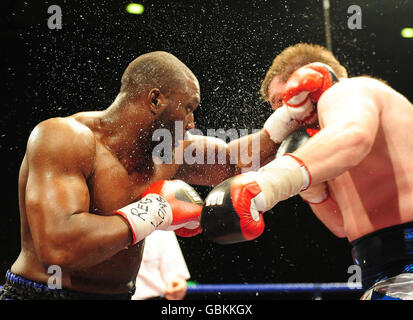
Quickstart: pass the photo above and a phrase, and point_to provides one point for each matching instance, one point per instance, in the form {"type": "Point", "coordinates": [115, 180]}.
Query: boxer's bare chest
{"type": "Point", "coordinates": [111, 187]}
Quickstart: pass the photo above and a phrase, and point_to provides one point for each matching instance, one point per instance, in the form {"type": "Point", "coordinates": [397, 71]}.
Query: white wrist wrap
{"type": "Point", "coordinates": [146, 215]}
{"type": "Point", "coordinates": [280, 124]}
{"type": "Point", "coordinates": [281, 179]}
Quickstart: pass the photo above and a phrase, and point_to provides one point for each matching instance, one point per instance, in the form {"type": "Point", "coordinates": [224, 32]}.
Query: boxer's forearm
{"type": "Point", "coordinates": [84, 240]}
{"type": "Point", "coordinates": [333, 151]}
{"type": "Point", "coordinates": [256, 149]}
{"type": "Point", "coordinates": [325, 156]}
{"type": "Point", "coordinates": [222, 161]}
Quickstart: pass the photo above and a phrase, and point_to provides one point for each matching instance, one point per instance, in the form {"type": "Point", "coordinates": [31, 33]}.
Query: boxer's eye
{"type": "Point", "coordinates": [277, 102]}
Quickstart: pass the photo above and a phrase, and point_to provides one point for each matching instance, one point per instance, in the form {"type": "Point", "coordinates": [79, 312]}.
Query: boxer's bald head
{"type": "Point", "coordinates": [158, 69]}
{"type": "Point", "coordinates": [157, 90]}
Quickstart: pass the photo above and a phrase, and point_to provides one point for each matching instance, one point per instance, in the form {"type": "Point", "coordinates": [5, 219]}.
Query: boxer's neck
{"type": "Point", "coordinates": [127, 130]}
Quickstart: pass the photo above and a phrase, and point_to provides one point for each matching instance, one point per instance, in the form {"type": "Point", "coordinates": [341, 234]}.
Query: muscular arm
{"type": "Point", "coordinates": [349, 125]}
{"type": "Point", "coordinates": [60, 155]}
{"type": "Point", "coordinates": [222, 161]}
{"type": "Point", "coordinates": [349, 118]}
{"type": "Point", "coordinates": [255, 149]}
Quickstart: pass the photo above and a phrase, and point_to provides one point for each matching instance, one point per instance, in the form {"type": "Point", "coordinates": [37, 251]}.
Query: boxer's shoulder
{"type": "Point", "coordinates": [362, 84]}
{"type": "Point", "coordinates": [63, 139]}
{"type": "Point", "coordinates": [62, 131]}
{"type": "Point", "coordinates": [361, 88]}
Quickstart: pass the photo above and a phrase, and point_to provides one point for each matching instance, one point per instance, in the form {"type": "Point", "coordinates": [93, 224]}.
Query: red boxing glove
{"type": "Point", "coordinates": [229, 215]}
{"type": "Point", "coordinates": [186, 205]}
{"type": "Point", "coordinates": [304, 88]}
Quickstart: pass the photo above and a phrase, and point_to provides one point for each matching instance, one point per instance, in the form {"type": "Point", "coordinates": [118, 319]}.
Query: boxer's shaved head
{"type": "Point", "coordinates": [158, 69]}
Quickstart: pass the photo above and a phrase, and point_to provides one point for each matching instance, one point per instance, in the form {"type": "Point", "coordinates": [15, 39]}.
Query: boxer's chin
{"type": "Point", "coordinates": [310, 119]}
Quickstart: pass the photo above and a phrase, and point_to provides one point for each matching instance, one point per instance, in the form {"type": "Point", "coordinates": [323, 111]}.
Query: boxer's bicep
{"type": "Point", "coordinates": [53, 196]}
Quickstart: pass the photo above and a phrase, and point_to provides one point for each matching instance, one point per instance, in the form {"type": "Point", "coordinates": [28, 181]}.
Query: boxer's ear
{"type": "Point", "coordinates": [156, 101]}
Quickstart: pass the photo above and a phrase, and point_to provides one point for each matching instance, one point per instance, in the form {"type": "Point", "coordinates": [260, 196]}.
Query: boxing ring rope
{"type": "Point", "coordinates": [316, 288]}
{"type": "Point", "coordinates": [270, 287]}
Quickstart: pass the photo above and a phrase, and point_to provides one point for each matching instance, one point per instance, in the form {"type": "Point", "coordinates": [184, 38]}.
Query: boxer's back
{"type": "Point", "coordinates": [378, 192]}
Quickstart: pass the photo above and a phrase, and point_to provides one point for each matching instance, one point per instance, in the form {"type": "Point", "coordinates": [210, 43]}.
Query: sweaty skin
{"type": "Point", "coordinates": [79, 169]}
{"type": "Point", "coordinates": [364, 152]}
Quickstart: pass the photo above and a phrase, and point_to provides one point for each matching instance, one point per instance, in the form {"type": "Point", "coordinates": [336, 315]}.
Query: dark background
{"type": "Point", "coordinates": [228, 45]}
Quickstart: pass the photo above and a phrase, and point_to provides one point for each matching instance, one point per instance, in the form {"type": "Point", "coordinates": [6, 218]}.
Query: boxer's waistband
{"type": "Point", "coordinates": [384, 253]}
{"type": "Point", "coordinates": [17, 287]}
